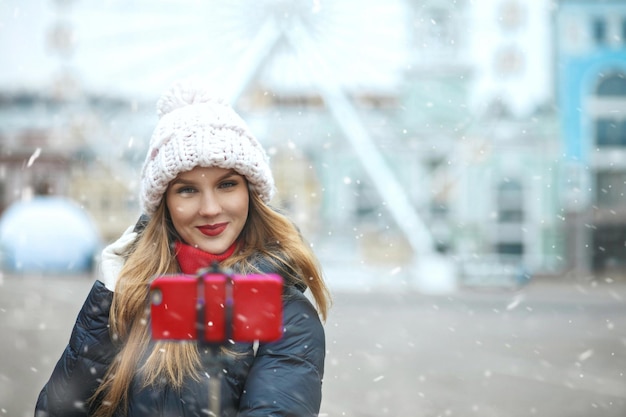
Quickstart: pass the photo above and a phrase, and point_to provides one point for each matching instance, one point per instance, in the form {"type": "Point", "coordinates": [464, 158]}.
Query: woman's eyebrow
{"type": "Point", "coordinates": [177, 181]}
{"type": "Point", "coordinates": [230, 173]}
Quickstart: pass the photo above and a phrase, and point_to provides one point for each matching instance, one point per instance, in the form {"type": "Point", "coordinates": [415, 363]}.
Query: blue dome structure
{"type": "Point", "coordinates": [48, 235]}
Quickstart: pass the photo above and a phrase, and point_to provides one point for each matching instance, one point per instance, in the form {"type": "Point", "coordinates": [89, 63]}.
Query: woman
{"type": "Point", "coordinates": [205, 185]}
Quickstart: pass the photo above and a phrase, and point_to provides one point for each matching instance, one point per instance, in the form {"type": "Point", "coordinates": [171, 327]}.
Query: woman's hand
{"type": "Point", "coordinates": [112, 258]}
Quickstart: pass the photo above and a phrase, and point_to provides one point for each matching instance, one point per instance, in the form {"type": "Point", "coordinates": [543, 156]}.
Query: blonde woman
{"type": "Point", "coordinates": [205, 188]}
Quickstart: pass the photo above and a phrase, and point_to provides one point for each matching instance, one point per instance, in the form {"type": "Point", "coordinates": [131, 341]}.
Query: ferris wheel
{"type": "Point", "coordinates": [331, 49]}
{"type": "Point", "coordinates": [138, 47]}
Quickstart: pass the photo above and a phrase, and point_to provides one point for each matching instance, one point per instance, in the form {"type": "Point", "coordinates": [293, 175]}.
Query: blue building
{"type": "Point", "coordinates": [591, 80]}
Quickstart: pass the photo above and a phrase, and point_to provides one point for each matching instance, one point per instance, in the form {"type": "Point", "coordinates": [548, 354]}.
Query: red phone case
{"type": "Point", "coordinates": [253, 303]}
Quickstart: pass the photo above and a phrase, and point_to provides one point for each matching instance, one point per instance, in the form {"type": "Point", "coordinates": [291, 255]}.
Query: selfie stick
{"type": "Point", "coordinates": [218, 320]}
{"type": "Point", "coordinates": [216, 371]}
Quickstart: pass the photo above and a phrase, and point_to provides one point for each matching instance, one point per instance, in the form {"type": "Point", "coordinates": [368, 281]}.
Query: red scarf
{"type": "Point", "coordinates": [191, 259]}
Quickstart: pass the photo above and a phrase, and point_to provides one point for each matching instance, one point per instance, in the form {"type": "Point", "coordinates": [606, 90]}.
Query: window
{"type": "Point", "coordinates": [610, 94]}
{"type": "Point", "coordinates": [3, 200]}
{"type": "Point", "coordinates": [510, 248]}
{"type": "Point", "coordinates": [439, 28]}
{"type": "Point", "coordinates": [510, 200]}
{"type": "Point", "coordinates": [509, 61]}
{"type": "Point", "coordinates": [610, 132]}
{"type": "Point", "coordinates": [439, 34]}
{"type": "Point", "coordinates": [599, 30]}
{"type": "Point", "coordinates": [612, 85]}
{"type": "Point", "coordinates": [512, 15]}
{"type": "Point", "coordinates": [367, 200]}
{"type": "Point", "coordinates": [611, 188]}
{"type": "Point", "coordinates": [608, 247]}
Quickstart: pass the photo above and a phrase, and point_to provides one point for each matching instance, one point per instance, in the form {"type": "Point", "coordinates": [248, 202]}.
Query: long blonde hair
{"type": "Point", "coordinates": [267, 234]}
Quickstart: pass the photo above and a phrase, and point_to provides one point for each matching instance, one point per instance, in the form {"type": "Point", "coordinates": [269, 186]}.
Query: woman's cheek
{"type": "Point", "coordinates": [180, 210]}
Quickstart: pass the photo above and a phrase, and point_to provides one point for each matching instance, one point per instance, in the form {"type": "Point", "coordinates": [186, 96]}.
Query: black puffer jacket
{"type": "Point", "coordinates": [282, 379]}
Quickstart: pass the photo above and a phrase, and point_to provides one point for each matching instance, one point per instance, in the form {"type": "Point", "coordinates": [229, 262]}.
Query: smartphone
{"type": "Point", "coordinates": [216, 308]}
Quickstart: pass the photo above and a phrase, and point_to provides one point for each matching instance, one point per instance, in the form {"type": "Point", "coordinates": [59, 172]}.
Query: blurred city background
{"type": "Point", "coordinates": [490, 131]}
{"type": "Point", "coordinates": [431, 146]}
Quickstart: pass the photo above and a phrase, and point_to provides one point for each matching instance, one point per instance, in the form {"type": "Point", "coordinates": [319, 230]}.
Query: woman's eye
{"type": "Point", "coordinates": [185, 190]}
{"type": "Point", "coordinates": [228, 184]}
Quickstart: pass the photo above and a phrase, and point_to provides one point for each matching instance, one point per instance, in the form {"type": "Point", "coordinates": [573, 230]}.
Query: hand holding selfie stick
{"type": "Point", "coordinates": [215, 307]}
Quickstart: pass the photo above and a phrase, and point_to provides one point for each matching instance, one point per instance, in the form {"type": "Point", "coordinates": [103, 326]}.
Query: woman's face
{"type": "Point", "coordinates": [209, 207]}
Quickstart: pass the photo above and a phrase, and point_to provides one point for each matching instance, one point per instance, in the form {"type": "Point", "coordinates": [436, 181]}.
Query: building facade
{"type": "Point", "coordinates": [591, 79]}
{"type": "Point", "coordinates": [466, 110]}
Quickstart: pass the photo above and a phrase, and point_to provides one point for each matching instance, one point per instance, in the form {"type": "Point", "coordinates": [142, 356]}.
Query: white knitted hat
{"type": "Point", "coordinates": [196, 128]}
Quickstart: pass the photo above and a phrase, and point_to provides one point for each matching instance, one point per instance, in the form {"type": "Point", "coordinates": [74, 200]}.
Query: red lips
{"type": "Point", "coordinates": [212, 229]}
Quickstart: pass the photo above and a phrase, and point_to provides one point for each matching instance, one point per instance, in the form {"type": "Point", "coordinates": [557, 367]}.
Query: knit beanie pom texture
{"type": "Point", "coordinates": [183, 94]}
{"type": "Point", "coordinates": [198, 128]}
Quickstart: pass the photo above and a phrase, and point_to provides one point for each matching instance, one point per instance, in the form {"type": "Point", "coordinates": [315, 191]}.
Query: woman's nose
{"type": "Point", "coordinates": [209, 205]}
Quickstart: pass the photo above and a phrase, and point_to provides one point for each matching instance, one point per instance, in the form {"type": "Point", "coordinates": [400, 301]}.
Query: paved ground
{"type": "Point", "coordinates": [554, 350]}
